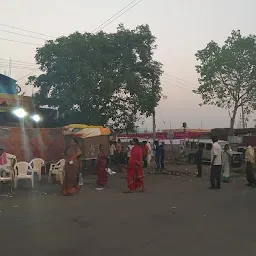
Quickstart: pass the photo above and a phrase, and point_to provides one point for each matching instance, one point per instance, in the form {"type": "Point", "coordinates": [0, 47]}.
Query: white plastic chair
{"type": "Point", "coordinates": [21, 170]}
{"type": "Point", "coordinates": [8, 177]}
{"type": "Point", "coordinates": [57, 170]}
{"type": "Point", "coordinates": [37, 164]}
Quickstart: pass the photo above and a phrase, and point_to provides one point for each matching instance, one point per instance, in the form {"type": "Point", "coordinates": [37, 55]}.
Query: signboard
{"type": "Point", "coordinates": [10, 101]}
{"type": "Point", "coordinates": [235, 139]}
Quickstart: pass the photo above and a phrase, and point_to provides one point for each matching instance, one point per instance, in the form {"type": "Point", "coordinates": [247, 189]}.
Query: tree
{"type": "Point", "coordinates": [100, 78]}
{"type": "Point", "coordinates": [228, 74]}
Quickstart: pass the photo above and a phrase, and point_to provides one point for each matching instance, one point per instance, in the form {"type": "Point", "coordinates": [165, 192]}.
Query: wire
{"type": "Point", "coordinates": [22, 42]}
{"type": "Point", "coordinates": [184, 88]}
{"type": "Point", "coordinates": [113, 16]}
{"type": "Point", "coordinates": [104, 24]}
{"type": "Point", "coordinates": [19, 34]}
{"type": "Point", "coordinates": [179, 79]}
{"type": "Point", "coordinates": [25, 30]}
{"type": "Point", "coordinates": [31, 73]}
{"type": "Point", "coordinates": [188, 85]}
{"type": "Point", "coordinates": [121, 14]}
{"type": "Point", "coordinates": [18, 67]}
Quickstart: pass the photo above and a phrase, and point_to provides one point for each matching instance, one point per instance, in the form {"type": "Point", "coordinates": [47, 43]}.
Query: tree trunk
{"type": "Point", "coordinates": [232, 120]}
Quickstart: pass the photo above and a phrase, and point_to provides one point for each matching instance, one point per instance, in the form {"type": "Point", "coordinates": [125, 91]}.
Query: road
{"type": "Point", "coordinates": [175, 216]}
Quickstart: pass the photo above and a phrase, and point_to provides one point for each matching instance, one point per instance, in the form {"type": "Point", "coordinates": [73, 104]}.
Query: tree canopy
{"type": "Point", "coordinates": [102, 78]}
{"type": "Point", "coordinates": [228, 74]}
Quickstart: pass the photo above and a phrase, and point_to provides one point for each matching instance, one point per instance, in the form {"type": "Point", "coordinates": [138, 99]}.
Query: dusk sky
{"type": "Point", "coordinates": [181, 26]}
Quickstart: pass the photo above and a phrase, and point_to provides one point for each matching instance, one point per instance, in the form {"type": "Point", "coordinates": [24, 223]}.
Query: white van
{"type": "Point", "coordinates": [192, 146]}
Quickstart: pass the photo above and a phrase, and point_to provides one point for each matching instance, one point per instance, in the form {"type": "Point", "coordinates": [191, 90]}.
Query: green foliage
{"type": "Point", "coordinates": [228, 74]}
{"type": "Point", "coordinates": [100, 78]}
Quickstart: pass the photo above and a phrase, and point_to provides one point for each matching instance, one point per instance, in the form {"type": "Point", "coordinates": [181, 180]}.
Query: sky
{"type": "Point", "coordinates": [182, 27]}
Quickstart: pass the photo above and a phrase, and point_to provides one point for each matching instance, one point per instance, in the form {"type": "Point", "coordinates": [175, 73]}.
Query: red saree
{"type": "Point", "coordinates": [70, 185]}
{"type": "Point", "coordinates": [135, 175]}
{"type": "Point", "coordinates": [101, 168]}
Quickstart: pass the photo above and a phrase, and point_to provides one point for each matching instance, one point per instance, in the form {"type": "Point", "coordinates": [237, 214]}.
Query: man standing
{"type": "Point", "coordinates": [157, 155]}
{"type": "Point", "coordinates": [250, 159]}
{"type": "Point", "coordinates": [112, 150]}
{"type": "Point", "coordinates": [149, 153]}
{"type": "Point", "coordinates": [129, 149]}
{"type": "Point", "coordinates": [216, 164]}
{"type": "Point", "coordinates": [199, 160]}
{"type": "Point", "coordinates": [162, 155]}
{"type": "Point", "coordinates": [145, 154]}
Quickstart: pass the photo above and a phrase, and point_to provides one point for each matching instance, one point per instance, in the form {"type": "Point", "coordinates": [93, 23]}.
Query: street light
{"type": "Point", "coordinates": [36, 118]}
{"type": "Point", "coordinates": [20, 113]}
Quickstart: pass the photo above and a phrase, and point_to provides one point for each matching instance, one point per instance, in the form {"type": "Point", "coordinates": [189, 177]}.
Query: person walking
{"type": "Point", "coordinates": [216, 164]}
{"type": "Point", "coordinates": [250, 160]}
{"type": "Point", "coordinates": [72, 168]}
{"type": "Point", "coordinates": [135, 175]}
{"type": "Point", "coordinates": [129, 149]}
{"type": "Point", "coordinates": [101, 167]}
{"type": "Point", "coordinates": [199, 160]}
{"type": "Point", "coordinates": [145, 154]}
{"type": "Point", "coordinates": [226, 160]}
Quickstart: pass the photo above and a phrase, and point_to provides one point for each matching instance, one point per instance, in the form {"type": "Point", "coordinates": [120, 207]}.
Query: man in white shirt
{"type": "Point", "coordinates": [149, 153]}
{"type": "Point", "coordinates": [129, 149]}
{"type": "Point", "coordinates": [112, 150]}
{"type": "Point", "coordinates": [216, 163]}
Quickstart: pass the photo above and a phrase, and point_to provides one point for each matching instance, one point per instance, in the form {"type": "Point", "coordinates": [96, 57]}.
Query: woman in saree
{"type": "Point", "coordinates": [135, 175]}
{"type": "Point", "coordinates": [226, 158]}
{"type": "Point", "coordinates": [101, 167]}
{"type": "Point", "coordinates": [72, 168]}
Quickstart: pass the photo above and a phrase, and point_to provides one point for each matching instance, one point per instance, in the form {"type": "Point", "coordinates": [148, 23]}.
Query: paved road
{"type": "Point", "coordinates": [175, 216]}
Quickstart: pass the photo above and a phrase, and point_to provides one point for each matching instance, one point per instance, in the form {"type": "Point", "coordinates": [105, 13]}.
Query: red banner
{"type": "Point", "coordinates": [27, 144]}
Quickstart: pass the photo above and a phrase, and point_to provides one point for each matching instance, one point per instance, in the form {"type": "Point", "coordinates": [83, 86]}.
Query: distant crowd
{"type": "Point", "coordinates": [120, 153]}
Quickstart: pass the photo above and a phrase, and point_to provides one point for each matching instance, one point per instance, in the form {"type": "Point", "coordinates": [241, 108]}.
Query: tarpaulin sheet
{"type": "Point", "coordinates": [26, 144]}
{"type": "Point", "coordinates": [85, 131]}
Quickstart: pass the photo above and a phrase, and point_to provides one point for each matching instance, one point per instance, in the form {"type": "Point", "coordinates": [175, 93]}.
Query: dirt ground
{"type": "Point", "coordinates": [176, 215]}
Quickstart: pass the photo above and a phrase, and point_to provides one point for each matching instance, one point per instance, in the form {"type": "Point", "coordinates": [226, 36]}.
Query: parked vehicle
{"type": "Point", "coordinates": [206, 144]}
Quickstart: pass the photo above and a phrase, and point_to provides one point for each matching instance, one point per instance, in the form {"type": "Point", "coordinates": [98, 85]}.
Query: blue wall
{"type": "Point", "coordinates": [7, 85]}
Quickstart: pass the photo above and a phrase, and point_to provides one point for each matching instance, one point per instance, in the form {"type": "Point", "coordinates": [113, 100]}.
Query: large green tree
{"type": "Point", "coordinates": [228, 74]}
{"type": "Point", "coordinates": [100, 78]}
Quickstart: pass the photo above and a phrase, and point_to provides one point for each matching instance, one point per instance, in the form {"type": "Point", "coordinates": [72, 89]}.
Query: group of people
{"type": "Point", "coordinates": [121, 155]}
{"type": "Point", "coordinates": [135, 175]}
{"type": "Point", "coordinates": [221, 162]}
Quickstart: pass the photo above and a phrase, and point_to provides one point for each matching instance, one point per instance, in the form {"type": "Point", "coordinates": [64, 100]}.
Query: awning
{"type": "Point", "coordinates": [85, 131]}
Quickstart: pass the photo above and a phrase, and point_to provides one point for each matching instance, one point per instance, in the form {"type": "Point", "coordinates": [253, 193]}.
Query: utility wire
{"type": "Point", "coordinates": [168, 83]}
{"type": "Point", "coordinates": [31, 73]}
{"type": "Point", "coordinates": [19, 34]}
{"type": "Point", "coordinates": [25, 30]}
{"type": "Point", "coordinates": [121, 14]}
{"type": "Point", "coordinates": [113, 16]}
{"type": "Point", "coordinates": [180, 79]}
{"type": "Point", "coordinates": [21, 42]}
{"type": "Point", "coordinates": [182, 83]}
{"type": "Point", "coordinates": [101, 26]}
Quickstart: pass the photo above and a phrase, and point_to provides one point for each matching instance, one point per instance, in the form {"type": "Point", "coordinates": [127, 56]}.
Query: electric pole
{"type": "Point", "coordinates": [154, 124]}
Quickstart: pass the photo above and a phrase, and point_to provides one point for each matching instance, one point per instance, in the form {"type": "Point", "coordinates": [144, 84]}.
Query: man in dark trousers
{"type": "Point", "coordinates": [250, 160]}
{"type": "Point", "coordinates": [199, 160]}
{"type": "Point", "coordinates": [216, 164]}
{"type": "Point", "coordinates": [162, 155]}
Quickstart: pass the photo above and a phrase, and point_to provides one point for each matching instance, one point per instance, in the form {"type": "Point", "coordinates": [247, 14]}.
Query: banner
{"type": "Point", "coordinates": [85, 131]}
{"type": "Point", "coordinates": [26, 144]}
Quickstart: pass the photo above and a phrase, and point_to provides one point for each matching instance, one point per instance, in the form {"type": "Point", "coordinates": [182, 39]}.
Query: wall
{"type": "Point", "coordinates": [29, 143]}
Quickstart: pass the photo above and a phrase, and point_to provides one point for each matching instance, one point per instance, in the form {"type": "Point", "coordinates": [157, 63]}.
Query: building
{"type": "Point", "coordinates": [10, 101]}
